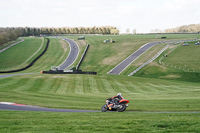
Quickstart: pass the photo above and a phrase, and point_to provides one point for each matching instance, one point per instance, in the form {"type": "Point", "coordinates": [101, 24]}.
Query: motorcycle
{"type": "Point", "coordinates": [111, 106]}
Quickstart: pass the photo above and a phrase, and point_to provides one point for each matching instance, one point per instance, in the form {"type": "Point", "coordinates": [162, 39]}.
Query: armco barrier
{"type": "Point", "coordinates": [21, 69]}
{"type": "Point", "coordinates": [86, 49]}
{"type": "Point", "coordinates": [62, 72]}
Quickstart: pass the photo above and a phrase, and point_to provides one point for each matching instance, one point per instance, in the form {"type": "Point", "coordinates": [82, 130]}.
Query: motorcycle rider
{"type": "Point", "coordinates": [117, 98]}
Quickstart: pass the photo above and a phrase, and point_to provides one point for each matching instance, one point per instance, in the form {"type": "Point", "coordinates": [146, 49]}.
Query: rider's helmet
{"type": "Point", "coordinates": [119, 94]}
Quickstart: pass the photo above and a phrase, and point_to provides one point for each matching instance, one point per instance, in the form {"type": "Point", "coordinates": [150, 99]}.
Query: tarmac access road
{"type": "Point", "coordinates": [74, 51]}
{"type": "Point", "coordinates": [10, 46]}
{"type": "Point", "coordinates": [125, 63]}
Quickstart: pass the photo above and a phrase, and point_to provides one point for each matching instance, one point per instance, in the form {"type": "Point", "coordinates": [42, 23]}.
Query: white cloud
{"type": "Point", "coordinates": [142, 15]}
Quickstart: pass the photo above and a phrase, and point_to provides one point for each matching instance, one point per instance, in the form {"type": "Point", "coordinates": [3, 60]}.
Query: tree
{"type": "Point", "coordinates": [127, 30]}
{"type": "Point", "coordinates": [114, 31]}
{"type": "Point", "coordinates": [134, 31]}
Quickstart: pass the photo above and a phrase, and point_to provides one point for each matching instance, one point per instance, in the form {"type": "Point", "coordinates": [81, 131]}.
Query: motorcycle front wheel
{"type": "Point", "coordinates": [104, 108]}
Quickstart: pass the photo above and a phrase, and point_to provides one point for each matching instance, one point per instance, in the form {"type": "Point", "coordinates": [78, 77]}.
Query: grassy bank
{"type": "Point", "coordinates": [21, 54]}
{"type": "Point", "coordinates": [90, 92]}
{"type": "Point", "coordinates": [180, 64]}
{"type": "Point", "coordinates": [104, 57]}
{"type": "Point", "coordinates": [36, 122]}
{"type": "Point", "coordinates": [57, 52]}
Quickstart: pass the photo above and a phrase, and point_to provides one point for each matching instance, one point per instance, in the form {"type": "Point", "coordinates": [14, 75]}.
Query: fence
{"type": "Point", "coordinates": [86, 49]}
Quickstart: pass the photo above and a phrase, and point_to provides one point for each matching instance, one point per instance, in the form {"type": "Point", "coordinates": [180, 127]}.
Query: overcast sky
{"type": "Point", "coordinates": [142, 15]}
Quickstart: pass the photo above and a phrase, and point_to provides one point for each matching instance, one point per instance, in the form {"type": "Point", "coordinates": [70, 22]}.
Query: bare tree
{"type": "Point", "coordinates": [127, 30]}
{"type": "Point", "coordinates": [134, 31]}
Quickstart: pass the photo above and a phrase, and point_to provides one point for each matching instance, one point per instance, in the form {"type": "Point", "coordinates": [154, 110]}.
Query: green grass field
{"type": "Point", "coordinates": [148, 90]}
{"type": "Point", "coordinates": [181, 64]}
{"type": "Point", "coordinates": [185, 57]}
{"type": "Point", "coordinates": [90, 92]}
{"type": "Point", "coordinates": [127, 122]}
{"type": "Point", "coordinates": [57, 52]}
{"type": "Point", "coordinates": [21, 54]}
{"type": "Point", "coordinates": [9, 43]}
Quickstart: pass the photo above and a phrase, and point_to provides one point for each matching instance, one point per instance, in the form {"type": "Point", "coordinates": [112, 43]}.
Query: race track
{"type": "Point", "coordinates": [74, 51]}
{"type": "Point", "coordinates": [125, 63]}
{"type": "Point", "coordinates": [22, 107]}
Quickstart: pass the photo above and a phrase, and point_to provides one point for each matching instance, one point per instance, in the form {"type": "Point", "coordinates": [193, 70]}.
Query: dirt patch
{"type": "Point", "coordinates": [173, 46]}
{"type": "Point", "coordinates": [114, 59]}
{"type": "Point", "coordinates": [81, 42]}
{"type": "Point", "coordinates": [110, 61]}
{"type": "Point", "coordinates": [37, 77]}
{"type": "Point", "coordinates": [125, 44]}
{"type": "Point", "coordinates": [171, 76]}
{"type": "Point", "coordinates": [64, 45]}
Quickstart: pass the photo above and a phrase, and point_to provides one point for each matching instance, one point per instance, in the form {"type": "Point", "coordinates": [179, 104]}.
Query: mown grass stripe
{"type": "Point", "coordinates": [57, 85]}
{"type": "Point", "coordinates": [131, 87]}
{"type": "Point", "coordinates": [78, 84]}
{"type": "Point", "coordinates": [144, 87]}
{"type": "Point", "coordinates": [119, 89]}
{"type": "Point", "coordinates": [86, 84]}
{"type": "Point", "coordinates": [114, 86]}
{"type": "Point", "coordinates": [3, 81]}
{"type": "Point", "coordinates": [36, 85]}
{"type": "Point", "coordinates": [63, 86]}
{"type": "Point", "coordinates": [158, 88]}
{"type": "Point", "coordinates": [100, 85]}
{"type": "Point", "coordinates": [71, 84]}
{"type": "Point", "coordinates": [20, 83]}
{"type": "Point", "coordinates": [25, 85]}
{"type": "Point", "coordinates": [10, 84]}
{"type": "Point", "coordinates": [93, 85]}
{"type": "Point", "coordinates": [107, 86]}
{"type": "Point", "coordinates": [60, 87]}
{"type": "Point", "coordinates": [52, 87]}
{"type": "Point", "coordinates": [122, 87]}
{"type": "Point", "coordinates": [135, 87]}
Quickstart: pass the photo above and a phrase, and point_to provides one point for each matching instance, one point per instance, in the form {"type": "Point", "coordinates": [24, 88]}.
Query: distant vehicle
{"type": "Point", "coordinates": [185, 44]}
{"type": "Point", "coordinates": [197, 43]}
{"type": "Point", "coordinates": [81, 38]}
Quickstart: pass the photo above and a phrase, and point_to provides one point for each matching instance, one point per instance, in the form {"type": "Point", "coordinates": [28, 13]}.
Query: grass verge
{"type": "Point", "coordinates": [17, 121]}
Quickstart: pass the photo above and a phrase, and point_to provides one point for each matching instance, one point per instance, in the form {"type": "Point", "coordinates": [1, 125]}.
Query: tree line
{"type": "Point", "coordinates": [192, 28]}
{"type": "Point", "coordinates": [11, 34]}
{"type": "Point", "coordinates": [8, 34]}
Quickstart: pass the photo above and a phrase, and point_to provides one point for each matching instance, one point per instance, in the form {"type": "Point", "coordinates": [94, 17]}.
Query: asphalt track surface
{"type": "Point", "coordinates": [125, 63]}
{"type": "Point", "coordinates": [34, 108]}
{"type": "Point", "coordinates": [74, 51]}
{"type": "Point", "coordinates": [9, 75]}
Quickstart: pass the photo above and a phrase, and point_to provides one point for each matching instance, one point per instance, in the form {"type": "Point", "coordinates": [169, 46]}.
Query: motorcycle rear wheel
{"type": "Point", "coordinates": [104, 108]}
{"type": "Point", "coordinates": [122, 107]}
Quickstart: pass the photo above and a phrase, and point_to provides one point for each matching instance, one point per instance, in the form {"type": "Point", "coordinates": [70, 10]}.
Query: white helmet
{"type": "Point", "coordinates": [119, 94]}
